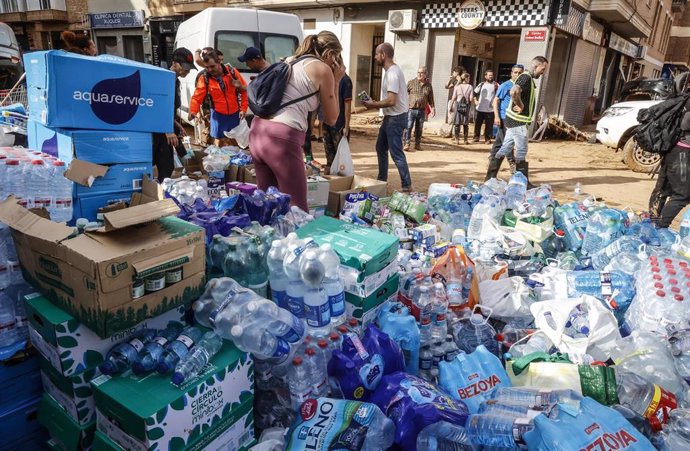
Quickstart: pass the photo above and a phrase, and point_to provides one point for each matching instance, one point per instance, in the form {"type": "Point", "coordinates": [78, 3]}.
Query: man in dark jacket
{"type": "Point", "coordinates": [164, 144]}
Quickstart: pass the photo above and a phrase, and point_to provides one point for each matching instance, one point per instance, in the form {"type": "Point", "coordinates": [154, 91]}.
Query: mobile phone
{"type": "Point", "coordinates": [363, 96]}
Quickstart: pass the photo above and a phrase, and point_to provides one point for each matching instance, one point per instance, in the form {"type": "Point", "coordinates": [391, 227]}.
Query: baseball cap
{"type": "Point", "coordinates": [249, 54]}
{"type": "Point", "coordinates": [184, 57]}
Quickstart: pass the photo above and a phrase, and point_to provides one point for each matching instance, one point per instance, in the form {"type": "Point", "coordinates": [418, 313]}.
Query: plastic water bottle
{"type": "Point", "coordinates": [257, 269]}
{"type": "Point", "coordinates": [536, 343]}
{"type": "Point", "coordinates": [122, 356]}
{"type": "Point", "coordinates": [147, 359]}
{"type": "Point", "coordinates": [178, 349]}
{"type": "Point", "coordinates": [218, 291]}
{"type": "Point", "coordinates": [439, 311]}
{"type": "Point", "coordinates": [276, 275]}
{"type": "Point", "coordinates": [535, 397]}
{"type": "Point", "coordinates": [317, 372]}
{"type": "Point", "coordinates": [38, 184]}
{"type": "Point", "coordinates": [450, 349]}
{"type": "Point", "coordinates": [61, 210]}
{"type": "Point", "coordinates": [555, 245]}
{"type": "Point", "coordinates": [424, 302]}
{"type": "Point", "coordinates": [438, 354]}
{"type": "Point", "coordinates": [234, 264]}
{"type": "Point", "coordinates": [197, 358]}
{"type": "Point", "coordinates": [645, 398]}
{"type": "Point", "coordinates": [296, 287]}
{"type": "Point", "coordinates": [317, 308]}
{"type": "Point", "coordinates": [332, 283]}
{"type": "Point", "coordinates": [684, 229]}
{"type": "Point", "coordinates": [473, 331]}
{"type": "Point", "coordinates": [15, 180]}
{"type": "Point", "coordinates": [603, 227]}
{"type": "Point", "coordinates": [497, 430]}
{"type": "Point", "coordinates": [8, 331]}
{"type": "Point", "coordinates": [623, 244]}
{"type": "Point", "coordinates": [676, 434]}
{"type": "Point", "coordinates": [515, 191]}
{"type": "Point", "coordinates": [491, 206]}
{"type": "Point", "coordinates": [443, 436]}
{"type": "Point", "coordinates": [260, 342]}
{"type": "Point", "coordinates": [299, 383]}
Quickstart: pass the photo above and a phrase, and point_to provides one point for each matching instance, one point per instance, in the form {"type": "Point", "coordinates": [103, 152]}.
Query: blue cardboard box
{"type": "Point", "coordinates": [100, 93]}
{"type": "Point", "coordinates": [94, 146]}
{"type": "Point", "coordinates": [106, 179]}
{"type": "Point", "coordinates": [87, 206]}
{"type": "Point", "coordinates": [20, 380]}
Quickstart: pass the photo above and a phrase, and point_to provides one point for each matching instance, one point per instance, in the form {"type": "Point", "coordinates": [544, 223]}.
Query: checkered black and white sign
{"type": "Point", "coordinates": [499, 13]}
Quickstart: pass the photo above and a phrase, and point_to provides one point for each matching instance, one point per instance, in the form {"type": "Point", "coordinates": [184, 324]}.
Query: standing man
{"type": "Point", "coordinates": [450, 86]}
{"type": "Point", "coordinates": [333, 134]}
{"type": "Point", "coordinates": [421, 94]}
{"type": "Point", "coordinates": [500, 105]}
{"type": "Point", "coordinates": [393, 105]}
{"type": "Point", "coordinates": [519, 115]}
{"type": "Point", "coordinates": [164, 144]}
{"type": "Point", "coordinates": [253, 59]}
{"type": "Point", "coordinates": [225, 89]}
{"type": "Point", "coordinates": [484, 95]}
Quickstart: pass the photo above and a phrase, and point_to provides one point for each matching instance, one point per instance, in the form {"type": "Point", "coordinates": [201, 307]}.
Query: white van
{"type": "Point", "coordinates": [232, 30]}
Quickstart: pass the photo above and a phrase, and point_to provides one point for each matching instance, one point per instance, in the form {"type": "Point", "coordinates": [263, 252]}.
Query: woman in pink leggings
{"type": "Point", "coordinates": [276, 143]}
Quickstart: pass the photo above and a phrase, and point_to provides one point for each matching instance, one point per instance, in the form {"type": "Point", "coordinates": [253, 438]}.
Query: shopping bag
{"type": "Point", "coordinates": [552, 316]}
{"type": "Point", "coordinates": [508, 297]}
{"type": "Point", "coordinates": [454, 262]}
{"type": "Point", "coordinates": [240, 134]}
{"type": "Point", "coordinates": [342, 163]}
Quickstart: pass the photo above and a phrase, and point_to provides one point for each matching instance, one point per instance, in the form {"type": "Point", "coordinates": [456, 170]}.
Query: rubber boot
{"type": "Point", "coordinates": [523, 167]}
{"type": "Point", "coordinates": [494, 167]}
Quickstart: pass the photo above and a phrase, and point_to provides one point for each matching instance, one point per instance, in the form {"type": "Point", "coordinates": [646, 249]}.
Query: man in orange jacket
{"type": "Point", "coordinates": [226, 90]}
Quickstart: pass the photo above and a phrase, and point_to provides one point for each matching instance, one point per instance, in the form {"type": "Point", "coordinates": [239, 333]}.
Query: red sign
{"type": "Point", "coordinates": [535, 35]}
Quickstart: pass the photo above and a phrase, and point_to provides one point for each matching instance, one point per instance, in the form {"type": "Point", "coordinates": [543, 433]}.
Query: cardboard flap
{"type": "Point", "coordinates": [140, 214]}
{"type": "Point", "coordinates": [151, 191]}
{"type": "Point", "coordinates": [24, 221]}
{"type": "Point", "coordinates": [85, 173]}
{"type": "Point", "coordinates": [164, 262]}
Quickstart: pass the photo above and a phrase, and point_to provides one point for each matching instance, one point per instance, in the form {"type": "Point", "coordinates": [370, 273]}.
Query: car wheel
{"type": "Point", "coordinates": [637, 159]}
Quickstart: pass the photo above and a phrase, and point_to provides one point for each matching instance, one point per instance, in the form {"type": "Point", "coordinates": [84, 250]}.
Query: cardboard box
{"type": "Point", "coordinates": [366, 309]}
{"type": "Point", "coordinates": [247, 174]}
{"type": "Point", "coordinates": [94, 179]}
{"type": "Point", "coordinates": [357, 284]}
{"type": "Point", "coordinates": [88, 206]}
{"type": "Point", "coordinates": [100, 93]}
{"type": "Point", "coordinates": [20, 381]}
{"type": "Point", "coordinates": [94, 146]}
{"type": "Point", "coordinates": [66, 433]}
{"type": "Point", "coordinates": [71, 347]}
{"type": "Point", "coordinates": [366, 250]}
{"type": "Point", "coordinates": [342, 186]}
{"type": "Point", "coordinates": [317, 191]}
{"type": "Point", "coordinates": [152, 413]}
{"type": "Point", "coordinates": [20, 425]}
{"type": "Point", "coordinates": [73, 393]}
{"type": "Point", "coordinates": [91, 275]}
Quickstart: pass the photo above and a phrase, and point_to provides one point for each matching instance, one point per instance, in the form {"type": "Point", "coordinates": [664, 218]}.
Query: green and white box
{"type": "Point", "coordinates": [71, 347]}
{"type": "Point", "coordinates": [151, 413]}
{"type": "Point", "coordinates": [354, 285]}
{"type": "Point", "coordinates": [366, 309]}
{"type": "Point", "coordinates": [66, 433]}
{"type": "Point", "coordinates": [73, 393]}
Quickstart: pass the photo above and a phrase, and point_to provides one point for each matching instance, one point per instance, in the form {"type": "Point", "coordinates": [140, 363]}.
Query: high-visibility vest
{"type": "Point", "coordinates": [527, 119]}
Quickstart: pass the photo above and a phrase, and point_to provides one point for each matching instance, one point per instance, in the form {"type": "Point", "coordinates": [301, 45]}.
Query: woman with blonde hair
{"type": "Point", "coordinates": [276, 142]}
{"type": "Point", "coordinates": [463, 94]}
{"type": "Point", "coordinates": [79, 43]}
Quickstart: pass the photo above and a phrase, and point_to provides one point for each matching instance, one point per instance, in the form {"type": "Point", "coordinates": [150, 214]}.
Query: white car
{"type": "Point", "coordinates": [618, 123]}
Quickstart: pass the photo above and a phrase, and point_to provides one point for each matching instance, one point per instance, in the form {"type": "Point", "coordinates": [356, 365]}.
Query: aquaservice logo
{"type": "Point", "coordinates": [50, 146]}
{"type": "Point", "coordinates": [115, 100]}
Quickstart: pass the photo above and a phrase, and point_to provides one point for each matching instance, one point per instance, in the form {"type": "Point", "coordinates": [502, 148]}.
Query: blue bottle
{"type": "Point", "coordinates": [178, 349]}
{"type": "Point", "coordinates": [200, 355]}
{"type": "Point", "coordinates": [473, 331]}
{"type": "Point", "coordinates": [147, 360]}
{"type": "Point", "coordinates": [122, 356]}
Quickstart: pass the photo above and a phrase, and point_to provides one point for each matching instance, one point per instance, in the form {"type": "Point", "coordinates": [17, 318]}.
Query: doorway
{"type": "Point", "coordinates": [376, 70]}
{"type": "Point", "coordinates": [134, 48]}
{"type": "Point", "coordinates": [108, 45]}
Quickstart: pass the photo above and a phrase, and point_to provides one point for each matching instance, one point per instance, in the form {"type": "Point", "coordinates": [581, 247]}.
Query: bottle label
{"type": "Point", "coordinates": [295, 332]}
{"type": "Point", "coordinates": [357, 343]}
{"type": "Point", "coordinates": [660, 407]}
{"type": "Point", "coordinates": [451, 356]}
{"type": "Point", "coordinates": [185, 340]}
{"type": "Point", "coordinates": [440, 319]}
{"type": "Point", "coordinates": [294, 255]}
{"type": "Point", "coordinates": [520, 427]}
{"type": "Point", "coordinates": [318, 315]}
{"type": "Point", "coordinates": [229, 298]}
{"type": "Point", "coordinates": [160, 340]}
{"type": "Point", "coordinates": [282, 350]}
{"type": "Point", "coordinates": [279, 297]}
{"type": "Point", "coordinates": [436, 360]}
{"type": "Point", "coordinates": [337, 303]}
{"type": "Point", "coordinates": [296, 306]}
{"type": "Point", "coordinates": [137, 344]}
{"type": "Point", "coordinates": [425, 364]}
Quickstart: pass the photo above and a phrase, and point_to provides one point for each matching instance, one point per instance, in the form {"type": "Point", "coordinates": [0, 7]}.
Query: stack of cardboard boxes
{"type": "Point", "coordinates": [97, 115]}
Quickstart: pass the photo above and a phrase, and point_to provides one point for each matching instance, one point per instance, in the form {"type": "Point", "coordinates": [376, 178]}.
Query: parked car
{"type": "Point", "coordinates": [618, 124]}
{"type": "Point", "coordinates": [11, 68]}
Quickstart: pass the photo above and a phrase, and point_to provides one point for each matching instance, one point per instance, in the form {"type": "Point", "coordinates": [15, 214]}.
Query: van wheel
{"type": "Point", "coordinates": [637, 159]}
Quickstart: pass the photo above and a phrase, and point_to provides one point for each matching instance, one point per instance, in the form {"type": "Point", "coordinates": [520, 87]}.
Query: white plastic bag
{"type": "Point", "coordinates": [551, 318]}
{"type": "Point", "coordinates": [508, 297]}
{"type": "Point", "coordinates": [240, 134]}
{"type": "Point", "coordinates": [342, 163]}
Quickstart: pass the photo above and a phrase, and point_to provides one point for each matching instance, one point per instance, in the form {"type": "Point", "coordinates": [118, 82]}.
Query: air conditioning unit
{"type": "Point", "coordinates": [642, 52]}
{"type": "Point", "coordinates": [402, 20]}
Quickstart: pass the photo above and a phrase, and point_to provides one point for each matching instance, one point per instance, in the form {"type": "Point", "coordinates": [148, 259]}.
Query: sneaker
{"type": "Point", "coordinates": [407, 190]}
{"type": "Point", "coordinates": [416, 147]}
{"type": "Point", "coordinates": [406, 147]}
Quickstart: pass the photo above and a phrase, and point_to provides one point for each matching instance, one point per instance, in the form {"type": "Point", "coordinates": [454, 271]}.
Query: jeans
{"type": "Point", "coordinates": [498, 142]}
{"type": "Point", "coordinates": [414, 118]}
{"type": "Point", "coordinates": [516, 136]}
{"type": "Point", "coordinates": [488, 120]}
{"type": "Point", "coordinates": [390, 139]}
{"type": "Point", "coordinates": [672, 191]}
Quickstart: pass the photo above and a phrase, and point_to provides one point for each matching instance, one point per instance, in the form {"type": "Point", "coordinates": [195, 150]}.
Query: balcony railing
{"type": "Point", "coordinates": [43, 5]}
{"type": "Point", "coordinates": [12, 6]}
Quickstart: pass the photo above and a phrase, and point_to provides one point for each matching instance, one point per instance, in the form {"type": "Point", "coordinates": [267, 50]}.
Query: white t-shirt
{"type": "Point", "coordinates": [486, 93]}
{"type": "Point", "coordinates": [394, 81]}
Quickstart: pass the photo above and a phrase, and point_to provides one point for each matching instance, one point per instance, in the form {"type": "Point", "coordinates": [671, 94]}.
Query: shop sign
{"type": "Point", "coordinates": [471, 14]}
{"type": "Point", "coordinates": [122, 19]}
{"type": "Point", "coordinates": [592, 31]}
{"type": "Point", "coordinates": [623, 45]}
{"type": "Point", "coordinates": [535, 36]}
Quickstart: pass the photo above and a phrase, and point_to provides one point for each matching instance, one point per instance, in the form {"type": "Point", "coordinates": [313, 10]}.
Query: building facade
{"type": "Point", "coordinates": [678, 52]}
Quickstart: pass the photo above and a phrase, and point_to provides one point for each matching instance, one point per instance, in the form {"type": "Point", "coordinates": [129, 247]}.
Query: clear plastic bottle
{"type": "Point", "coordinates": [443, 436]}
{"type": "Point", "coordinates": [178, 349]}
{"type": "Point", "coordinates": [439, 312]}
{"type": "Point", "coordinates": [234, 264]}
{"type": "Point", "coordinates": [676, 434]}
{"type": "Point", "coordinates": [147, 360]}
{"type": "Point", "coordinates": [61, 210]}
{"type": "Point", "coordinates": [645, 398]}
{"type": "Point", "coordinates": [38, 184]}
{"type": "Point", "coordinates": [121, 357]}
{"type": "Point", "coordinates": [426, 358]}
{"type": "Point", "coordinates": [263, 370]}
{"type": "Point", "coordinates": [198, 357]}
{"type": "Point", "coordinates": [15, 180]}
{"type": "Point", "coordinates": [555, 245]}
{"type": "Point", "coordinates": [603, 227]}
{"type": "Point", "coordinates": [257, 269]}
{"type": "Point", "coordinates": [490, 206]}
{"type": "Point", "coordinates": [450, 349]}
{"type": "Point", "coordinates": [623, 244]}
{"type": "Point", "coordinates": [261, 343]}
{"type": "Point", "coordinates": [535, 397]}
{"type": "Point", "coordinates": [8, 331]}
{"type": "Point", "coordinates": [299, 383]}
{"type": "Point", "coordinates": [473, 331]}
{"type": "Point", "coordinates": [498, 430]}
{"type": "Point", "coordinates": [296, 287]}
{"type": "Point", "coordinates": [218, 291]}
{"type": "Point", "coordinates": [516, 190]}
{"type": "Point", "coordinates": [333, 284]}
{"type": "Point", "coordinates": [276, 275]}
{"type": "Point", "coordinates": [425, 305]}
{"type": "Point", "coordinates": [317, 308]}
{"type": "Point", "coordinates": [317, 371]}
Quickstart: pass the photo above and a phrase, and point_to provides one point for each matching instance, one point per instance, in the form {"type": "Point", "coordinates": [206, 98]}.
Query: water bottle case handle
{"type": "Point", "coordinates": [482, 308]}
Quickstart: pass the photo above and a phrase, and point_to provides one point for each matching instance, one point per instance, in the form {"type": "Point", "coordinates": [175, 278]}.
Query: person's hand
{"type": "Point", "coordinates": [346, 132]}
{"type": "Point", "coordinates": [242, 114]}
{"type": "Point", "coordinates": [172, 139]}
{"type": "Point", "coordinates": [432, 113]}
{"type": "Point", "coordinates": [517, 108]}
{"type": "Point", "coordinates": [236, 83]}
{"type": "Point", "coordinates": [497, 121]}
{"type": "Point", "coordinates": [191, 117]}
{"type": "Point", "coordinates": [369, 104]}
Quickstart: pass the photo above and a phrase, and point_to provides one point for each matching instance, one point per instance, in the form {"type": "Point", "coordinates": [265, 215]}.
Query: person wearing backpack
{"type": "Point", "coordinates": [281, 98]}
{"type": "Point", "coordinates": [225, 89]}
{"type": "Point", "coordinates": [460, 102]}
{"type": "Point", "coordinates": [484, 95]}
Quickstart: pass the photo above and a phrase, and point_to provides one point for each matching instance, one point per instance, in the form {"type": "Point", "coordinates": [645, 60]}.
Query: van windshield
{"type": "Point", "coordinates": [5, 38]}
{"type": "Point", "coordinates": [273, 46]}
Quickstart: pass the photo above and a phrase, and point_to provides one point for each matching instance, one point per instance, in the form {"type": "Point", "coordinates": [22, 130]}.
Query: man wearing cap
{"type": "Point", "coordinates": [164, 144]}
{"type": "Point", "coordinates": [253, 59]}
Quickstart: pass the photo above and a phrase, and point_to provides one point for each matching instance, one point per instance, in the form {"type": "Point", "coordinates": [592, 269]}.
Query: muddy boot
{"type": "Point", "coordinates": [494, 167]}
{"type": "Point", "coordinates": [523, 167]}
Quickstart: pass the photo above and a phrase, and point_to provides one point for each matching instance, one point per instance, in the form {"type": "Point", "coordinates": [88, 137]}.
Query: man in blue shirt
{"type": "Point", "coordinates": [500, 105]}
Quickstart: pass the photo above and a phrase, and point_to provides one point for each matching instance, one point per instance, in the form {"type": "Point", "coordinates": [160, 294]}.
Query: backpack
{"type": "Point", "coordinates": [462, 107]}
{"type": "Point", "coordinates": [266, 91]}
{"type": "Point", "coordinates": [659, 129]}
